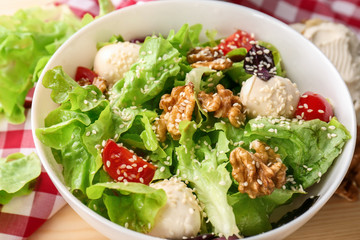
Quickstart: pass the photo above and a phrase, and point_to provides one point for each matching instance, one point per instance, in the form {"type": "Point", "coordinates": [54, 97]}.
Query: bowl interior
{"type": "Point", "coordinates": [303, 62]}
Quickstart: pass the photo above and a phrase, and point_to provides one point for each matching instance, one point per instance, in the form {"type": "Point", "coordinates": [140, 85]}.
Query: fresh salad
{"type": "Point", "coordinates": [178, 138]}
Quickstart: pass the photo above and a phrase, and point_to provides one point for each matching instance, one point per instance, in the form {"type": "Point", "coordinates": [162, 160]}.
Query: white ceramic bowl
{"type": "Point", "coordinates": [304, 64]}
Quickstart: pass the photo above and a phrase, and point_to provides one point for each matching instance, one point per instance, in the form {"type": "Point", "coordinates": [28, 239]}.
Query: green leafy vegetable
{"type": "Point", "coordinates": [17, 171]}
{"type": "Point", "coordinates": [28, 39]}
{"type": "Point", "coordinates": [209, 176]}
{"type": "Point", "coordinates": [252, 215]}
{"type": "Point", "coordinates": [158, 62]}
{"type": "Point", "coordinates": [186, 38]}
{"type": "Point", "coordinates": [132, 205]}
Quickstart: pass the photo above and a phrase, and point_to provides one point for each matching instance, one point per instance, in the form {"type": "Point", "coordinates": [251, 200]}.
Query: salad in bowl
{"type": "Point", "coordinates": [179, 136]}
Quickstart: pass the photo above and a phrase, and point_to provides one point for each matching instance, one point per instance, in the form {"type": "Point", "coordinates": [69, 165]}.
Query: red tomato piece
{"type": "Point", "coordinates": [314, 106]}
{"type": "Point", "coordinates": [238, 39]}
{"type": "Point", "coordinates": [125, 166]}
{"type": "Point", "coordinates": [85, 75]}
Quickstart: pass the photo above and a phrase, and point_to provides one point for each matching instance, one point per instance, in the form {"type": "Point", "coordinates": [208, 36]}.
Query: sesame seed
{"type": "Point", "coordinates": [332, 127]}
{"type": "Point", "coordinates": [141, 180]}
{"type": "Point", "coordinates": [259, 181]}
{"type": "Point", "coordinates": [245, 184]}
{"type": "Point", "coordinates": [108, 163]}
{"type": "Point", "coordinates": [321, 111]}
{"type": "Point", "coordinates": [93, 131]}
{"type": "Point", "coordinates": [87, 134]}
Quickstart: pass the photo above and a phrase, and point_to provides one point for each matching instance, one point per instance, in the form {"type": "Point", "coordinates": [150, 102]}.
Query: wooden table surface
{"type": "Point", "coordinates": [338, 219]}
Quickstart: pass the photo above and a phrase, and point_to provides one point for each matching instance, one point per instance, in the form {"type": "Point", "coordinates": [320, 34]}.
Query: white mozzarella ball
{"type": "Point", "coordinates": [113, 60]}
{"type": "Point", "coordinates": [180, 217]}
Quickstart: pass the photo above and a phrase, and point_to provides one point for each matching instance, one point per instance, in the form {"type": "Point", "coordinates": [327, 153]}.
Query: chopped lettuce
{"type": "Point", "coordinates": [159, 61]}
{"type": "Point", "coordinates": [17, 172]}
{"type": "Point", "coordinates": [207, 172]}
{"type": "Point", "coordinates": [132, 205]}
{"type": "Point", "coordinates": [252, 215]}
{"type": "Point", "coordinates": [186, 38]}
{"type": "Point", "coordinates": [66, 128]}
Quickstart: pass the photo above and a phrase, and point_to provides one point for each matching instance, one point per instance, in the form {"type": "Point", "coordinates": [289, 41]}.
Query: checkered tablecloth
{"type": "Point", "coordinates": [24, 215]}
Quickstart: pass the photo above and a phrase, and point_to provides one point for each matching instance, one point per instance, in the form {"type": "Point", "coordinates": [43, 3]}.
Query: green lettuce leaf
{"type": "Point", "coordinates": [252, 215]}
{"type": "Point", "coordinates": [158, 62]}
{"type": "Point", "coordinates": [132, 205]}
{"type": "Point", "coordinates": [17, 172]}
{"type": "Point", "coordinates": [79, 166]}
{"type": "Point", "coordinates": [207, 173]}
{"type": "Point", "coordinates": [28, 39]}
{"type": "Point", "coordinates": [186, 38]}
{"type": "Point", "coordinates": [67, 129]}
{"type": "Point", "coordinates": [204, 79]}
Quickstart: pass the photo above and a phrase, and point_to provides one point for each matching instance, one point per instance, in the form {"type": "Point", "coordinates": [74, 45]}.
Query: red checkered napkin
{"type": "Point", "coordinates": [23, 215]}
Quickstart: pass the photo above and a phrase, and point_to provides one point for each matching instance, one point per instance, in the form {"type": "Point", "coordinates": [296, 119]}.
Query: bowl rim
{"type": "Point", "coordinates": [68, 196]}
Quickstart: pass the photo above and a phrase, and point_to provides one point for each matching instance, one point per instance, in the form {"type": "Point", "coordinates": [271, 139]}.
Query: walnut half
{"type": "Point", "coordinates": [178, 106]}
{"type": "Point", "coordinates": [224, 104]}
{"type": "Point", "coordinates": [257, 173]}
{"type": "Point", "coordinates": [208, 57]}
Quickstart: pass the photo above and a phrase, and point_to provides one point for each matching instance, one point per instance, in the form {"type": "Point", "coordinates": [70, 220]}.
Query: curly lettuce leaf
{"type": "Point", "coordinates": [207, 172]}
{"type": "Point", "coordinates": [17, 172]}
{"type": "Point", "coordinates": [158, 61]}
{"type": "Point", "coordinates": [65, 138]}
{"type": "Point", "coordinates": [252, 215]}
{"type": "Point", "coordinates": [186, 38]}
{"type": "Point", "coordinates": [66, 128]}
{"type": "Point", "coordinates": [28, 39]}
{"type": "Point", "coordinates": [131, 205]}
